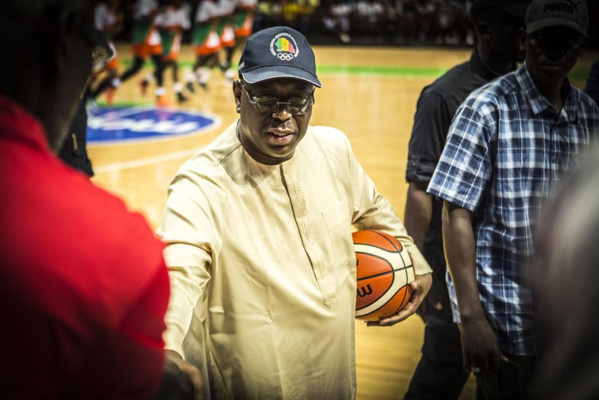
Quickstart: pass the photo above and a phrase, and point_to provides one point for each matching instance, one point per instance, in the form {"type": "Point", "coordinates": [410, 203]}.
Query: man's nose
{"type": "Point", "coordinates": [281, 111]}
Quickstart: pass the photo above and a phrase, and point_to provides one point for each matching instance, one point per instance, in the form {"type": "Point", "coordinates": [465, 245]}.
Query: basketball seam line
{"type": "Point", "coordinates": [383, 273]}
{"type": "Point", "coordinates": [384, 237]}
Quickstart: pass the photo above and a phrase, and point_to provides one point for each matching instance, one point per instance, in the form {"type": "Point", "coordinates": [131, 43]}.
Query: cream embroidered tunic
{"type": "Point", "coordinates": [262, 266]}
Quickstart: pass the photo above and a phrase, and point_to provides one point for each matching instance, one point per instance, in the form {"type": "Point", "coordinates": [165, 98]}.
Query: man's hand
{"type": "Point", "coordinates": [435, 295]}
{"type": "Point", "coordinates": [481, 352]}
{"type": "Point", "coordinates": [420, 288]}
{"type": "Point", "coordinates": [191, 371]}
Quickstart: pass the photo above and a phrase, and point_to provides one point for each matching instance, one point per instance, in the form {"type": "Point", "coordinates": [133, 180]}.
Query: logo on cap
{"type": "Point", "coordinates": [568, 8]}
{"type": "Point", "coordinates": [284, 47]}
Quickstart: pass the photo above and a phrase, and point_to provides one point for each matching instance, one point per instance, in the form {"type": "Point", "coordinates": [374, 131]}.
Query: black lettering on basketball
{"type": "Point", "coordinates": [364, 291]}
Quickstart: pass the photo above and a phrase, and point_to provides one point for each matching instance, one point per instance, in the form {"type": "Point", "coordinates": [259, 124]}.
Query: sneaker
{"type": "Point", "coordinates": [181, 98]}
{"type": "Point", "coordinates": [189, 86]}
{"type": "Point", "coordinates": [144, 87]}
{"type": "Point", "coordinates": [225, 65]}
{"type": "Point", "coordinates": [229, 75]}
{"type": "Point", "coordinates": [92, 105]}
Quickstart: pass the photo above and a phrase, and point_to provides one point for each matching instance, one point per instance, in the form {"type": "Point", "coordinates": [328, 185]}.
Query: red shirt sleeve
{"type": "Point", "coordinates": [128, 364]}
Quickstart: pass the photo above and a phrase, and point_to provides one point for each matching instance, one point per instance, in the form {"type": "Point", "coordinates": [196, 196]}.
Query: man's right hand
{"type": "Point", "coordinates": [191, 371]}
{"type": "Point", "coordinates": [481, 352]}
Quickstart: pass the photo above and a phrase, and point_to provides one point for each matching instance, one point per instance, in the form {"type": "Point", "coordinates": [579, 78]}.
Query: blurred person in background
{"type": "Point", "coordinates": [509, 144]}
{"type": "Point", "coordinates": [440, 373]}
{"type": "Point", "coordinates": [83, 284]}
{"type": "Point", "coordinates": [206, 43]}
{"type": "Point", "coordinates": [107, 19]}
{"type": "Point", "coordinates": [566, 287]}
{"type": "Point", "coordinates": [146, 43]}
{"type": "Point", "coordinates": [172, 19]}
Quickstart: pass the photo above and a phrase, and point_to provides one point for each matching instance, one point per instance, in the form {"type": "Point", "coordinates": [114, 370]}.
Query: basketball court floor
{"type": "Point", "coordinates": [368, 93]}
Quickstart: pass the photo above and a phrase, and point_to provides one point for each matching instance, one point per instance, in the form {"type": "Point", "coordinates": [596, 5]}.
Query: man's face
{"type": "Point", "coordinates": [504, 38]}
{"type": "Point", "coordinates": [270, 131]}
{"type": "Point", "coordinates": [551, 53]}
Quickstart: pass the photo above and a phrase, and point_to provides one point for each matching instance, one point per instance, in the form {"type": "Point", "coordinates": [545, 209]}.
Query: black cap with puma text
{"type": "Point", "coordinates": [545, 13]}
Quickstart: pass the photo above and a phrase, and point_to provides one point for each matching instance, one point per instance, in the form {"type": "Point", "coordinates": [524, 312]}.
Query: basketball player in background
{"type": "Point", "coordinates": [83, 284]}
{"type": "Point", "coordinates": [440, 373]}
{"type": "Point", "coordinates": [108, 20]}
{"type": "Point", "coordinates": [508, 146]}
{"type": "Point", "coordinates": [171, 21]}
{"type": "Point", "coordinates": [206, 43]}
{"type": "Point", "coordinates": [242, 22]}
{"type": "Point", "coordinates": [258, 233]}
{"type": "Point", "coordinates": [146, 43]}
{"type": "Point", "coordinates": [226, 33]}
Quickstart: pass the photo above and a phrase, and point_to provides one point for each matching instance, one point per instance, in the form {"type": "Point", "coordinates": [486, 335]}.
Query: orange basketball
{"type": "Point", "coordinates": [384, 271]}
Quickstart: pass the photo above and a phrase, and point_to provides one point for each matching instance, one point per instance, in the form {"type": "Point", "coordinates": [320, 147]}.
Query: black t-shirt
{"type": "Point", "coordinates": [74, 148]}
{"type": "Point", "coordinates": [436, 107]}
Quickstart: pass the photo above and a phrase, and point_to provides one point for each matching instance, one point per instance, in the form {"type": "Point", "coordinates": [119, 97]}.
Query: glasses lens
{"type": "Point", "coordinates": [265, 103]}
{"type": "Point", "coordinates": [298, 103]}
{"type": "Point", "coordinates": [558, 44]}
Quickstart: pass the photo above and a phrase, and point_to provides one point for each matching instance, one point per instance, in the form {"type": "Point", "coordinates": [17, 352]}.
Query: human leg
{"type": "Point", "coordinates": [440, 374]}
{"type": "Point", "coordinates": [138, 63]}
{"type": "Point", "coordinates": [511, 382]}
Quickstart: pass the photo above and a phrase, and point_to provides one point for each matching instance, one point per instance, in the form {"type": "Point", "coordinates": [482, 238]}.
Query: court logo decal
{"type": "Point", "coordinates": [134, 124]}
{"type": "Point", "coordinates": [284, 47]}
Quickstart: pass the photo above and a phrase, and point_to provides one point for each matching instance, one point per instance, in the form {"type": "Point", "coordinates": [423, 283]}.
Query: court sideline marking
{"type": "Point", "coordinates": [142, 162]}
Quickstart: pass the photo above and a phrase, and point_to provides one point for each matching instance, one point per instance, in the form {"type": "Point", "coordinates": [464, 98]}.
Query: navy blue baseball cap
{"type": "Point", "coordinates": [277, 52]}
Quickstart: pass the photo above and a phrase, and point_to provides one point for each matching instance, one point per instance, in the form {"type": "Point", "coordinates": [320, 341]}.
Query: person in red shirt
{"type": "Point", "coordinates": [83, 284]}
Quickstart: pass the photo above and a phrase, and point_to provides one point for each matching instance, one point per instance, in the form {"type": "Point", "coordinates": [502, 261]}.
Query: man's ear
{"type": "Point", "coordinates": [237, 92]}
{"type": "Point", "coordinates": [522, 37]}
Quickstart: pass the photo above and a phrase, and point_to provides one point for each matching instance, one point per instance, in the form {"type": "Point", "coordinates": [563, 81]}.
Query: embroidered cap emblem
{"type": "Point", "coordinates": [284, 47]}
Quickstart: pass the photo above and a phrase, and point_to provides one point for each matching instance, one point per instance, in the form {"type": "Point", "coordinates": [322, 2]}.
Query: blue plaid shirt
{"type": "Point", "coordinates": [506, 149]}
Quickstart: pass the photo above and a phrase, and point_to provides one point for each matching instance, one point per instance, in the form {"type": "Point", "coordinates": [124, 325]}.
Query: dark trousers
{"type": "Point", "coordinates": [440, 374]}
{"type": "Point", "coordinates": [510, 383]}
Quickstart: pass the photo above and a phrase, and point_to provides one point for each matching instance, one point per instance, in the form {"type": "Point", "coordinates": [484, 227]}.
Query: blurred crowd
{"type": "Point", "coordinates": [363, 22]}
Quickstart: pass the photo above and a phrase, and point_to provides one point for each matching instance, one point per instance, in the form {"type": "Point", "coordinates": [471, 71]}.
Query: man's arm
{"type": "Point", "coordinates": [417, 219]}
{"type": "Point", "coordinates": [418, 212]}
{"type": "Point", "coordinates": [423, 279]}
{"type": "Point", "coordinates": [180, 380]}
{"type": "Point", "coordinates": [373, 211]}
{"type": "Point", "coordinates": [420, 287]}
{"type": "Point", "coordinates": [479, 343]}
{"type": "Point", "coordinates": [191, 232]}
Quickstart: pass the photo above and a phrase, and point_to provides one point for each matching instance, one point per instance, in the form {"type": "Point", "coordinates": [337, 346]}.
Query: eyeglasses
{"type": "Point", "coordinates": [263, 104]}
{"type": "Point", "coordinates": [554, 44]}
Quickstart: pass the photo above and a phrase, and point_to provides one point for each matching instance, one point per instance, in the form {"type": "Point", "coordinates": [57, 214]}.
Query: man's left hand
{"type": "Point", "coordinates": [420, 288]}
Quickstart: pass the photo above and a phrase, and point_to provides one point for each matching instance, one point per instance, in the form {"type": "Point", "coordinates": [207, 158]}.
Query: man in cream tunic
{"type": "Point", "coordinates": [258, 232]}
